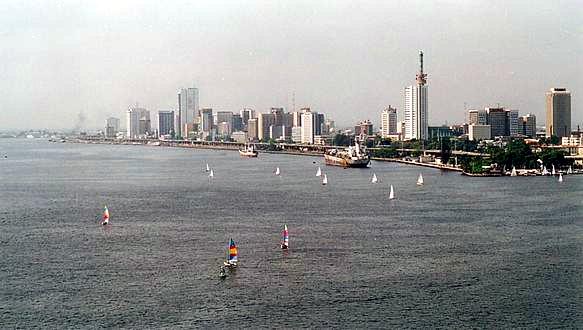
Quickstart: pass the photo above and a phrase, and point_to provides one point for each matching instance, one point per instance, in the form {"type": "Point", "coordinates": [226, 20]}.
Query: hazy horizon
{"type": "Point", "coordinates": [346, 59]}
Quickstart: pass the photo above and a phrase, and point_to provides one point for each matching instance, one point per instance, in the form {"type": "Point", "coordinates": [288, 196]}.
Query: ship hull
{"type": "Point", "coordinates": [338, 161]}
{"type": "Point", "coordinates": [248, 154]}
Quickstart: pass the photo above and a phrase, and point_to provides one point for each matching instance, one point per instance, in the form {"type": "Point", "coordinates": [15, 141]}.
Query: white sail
{"type": "Point", "coordinates": [211, 174]}
{"type": "Point", "coordinates": [513, 173]}
{"type": "Point", "coordinates": [392, 193]}
{"type": "Point", "coordinates": [553, 171]}
{"type": "Point", "coordinates": [207, 167]}
{"type": "Point", "coordinates": [374, 178]}
{"type": "Point", "coordinates": [570, 170]}
{"type": "Point", "coordinates": [277, 172]}
{"type": "Point", "coordinates": [325, 179]}
{"type": "Point", "coordinates": [420, 180]}
{"type": "Point", "coordinates": [545, 171]}
{"type": "Point", "coordinates": [560, 177]}
{"type": "Point", "coordinates": [319, 172]}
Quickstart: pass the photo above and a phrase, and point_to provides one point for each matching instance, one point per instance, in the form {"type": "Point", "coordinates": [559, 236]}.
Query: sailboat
{"type": "Point", "coordinates": [570, 170]}
{"type": "Point", "coordinates": [392, 193]}
{"type": "Point", "coordinates": [319, 172]}
{"type": "Point", "coordinates": [560, 177]}
{"type": "Point", "coordinates": [420, 180]}
{"type": "Point", "coordinates": [553, 171]}
{"type": "Point", "coordinates": [105, 217]}
{"type": "Point", "coordinates": [277, 171]}
{"type": "Point", "coordinates": [545, 171]}
{"type": "Point", "coordinates": [513, 173]}
{"type": "Point", "coordinates": [374, 178]}
{"type": "Point", "coordinates": [231, 255]}
{"type": "Point", "coordinates": [285, 240]}
{"type": "Point", "coordinates": [325, 180]}
{"type": "Point", "coordinates": [207, 167]}
{"type": "Point", "coordinates": [211, 174]}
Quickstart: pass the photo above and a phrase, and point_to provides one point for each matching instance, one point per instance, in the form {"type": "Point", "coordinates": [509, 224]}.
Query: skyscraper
{"type": "Point", "coordinates": [111, 126]}
{"type": "Point", "coordinates": [187, 108]}
{"type": "Point", "coordinates": [558, 112]}
{"type": "Point", "coordinates": [388, 122]}
{"type": "Point", "coordinates": [416, 126]}
{"type": "Point", "coordinates": [165, 122]}
{"type": "Point", "coordinates": [478, 117]}
{"type": "Point", "coordinates": [498, 121]}
{"type": "Point", "coordinates": [138, 122]}
{"type": "Point", "coordinates": [206, 120]}
{"type": "Point", "coordinates": [528, 124]}
{"type": "Point", "coordinates": [307, 129]}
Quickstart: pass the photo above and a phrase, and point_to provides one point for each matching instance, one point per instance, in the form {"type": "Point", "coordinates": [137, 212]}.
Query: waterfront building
{"type": "Point", "coordinates": [187, 108]}
{"type": "Point", "coordinates": [479, 132]}
{"type": "Point", "coordinates": [264, 121]}
{"type": "Point", "coordinates": [137, 122]}
{"type": "Point", "coordinates": [111, 127]}
{"type": "Point", "coordinates": [478, 117]}
{"type": "Point", "coordinates": [497, 119]}
{"type": "Point", "coordinates": [307, 127]}
{"type": "Point", "coordinates": [239, 136]}
{"type": "Point", "coordinates": [440, 132]}
{"type": "Point", "coordinates": [329, 127]}
{"type": "Point", "coordinates": [252, 129]}
{"type": "Point", "coordinates": [296, 134]}
{"type": "Point", "coordinates": [389, 122]}
{"type": "Point", "coordinates": [416, 107]}
{"type": "Point", "coordinates": [165, 122]}
{"type": "Point", "coordinates": [528, 125]}
{"type": "Point", "coordinates": [297, 119]}
{"type": "Point", "coordinates": [206, 120]}
{"type": "Point", "coordinates": [145, 126]}
{"type": "Point", "coordinates": [224, 129]}
{"type": "Point", "coordinates": [558, 111]}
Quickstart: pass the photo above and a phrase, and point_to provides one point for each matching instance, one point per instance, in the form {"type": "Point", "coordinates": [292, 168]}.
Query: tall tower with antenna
{"type": "Point", "coordinates": [416, 126]}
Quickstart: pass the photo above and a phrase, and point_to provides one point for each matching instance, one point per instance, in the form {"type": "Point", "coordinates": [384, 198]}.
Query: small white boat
{"type": "Point", "coordinates": [545, 171]}
{"type": "Point", "coordinates": [553, 172]}
{"type": "Point", "coordinates": [513, 173]}
{"type": "Point", "coordinates": [207, 167]}
{"type": "Point", "coordinates": [212, 174]}
{"type": "Point", "coordinates": [277, 171]}
{"type": "Point", "coordinates": [319, 172]}
{"type": "Point", "coordinates": [392, 193]}
{"type": "Point", "coordinates": [105, 217]}
{"type": "Point", "coordinates": [248, 151]}
{"type": "Point", "coordinates": [420, 180]}
{"type": "Point", "coordinates": [325, 179]}
{"type": "Point", "coordinates": [560, 177]}
{"type": "Point", "coordinates": [374, 178]}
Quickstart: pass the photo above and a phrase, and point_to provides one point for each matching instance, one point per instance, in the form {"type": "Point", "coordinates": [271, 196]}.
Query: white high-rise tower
{"type": "Point", "coordinates": [416, 106]}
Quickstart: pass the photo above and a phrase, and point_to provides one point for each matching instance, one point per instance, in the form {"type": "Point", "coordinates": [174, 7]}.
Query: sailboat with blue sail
{"type": "Point", "coordinates": [232, 254]}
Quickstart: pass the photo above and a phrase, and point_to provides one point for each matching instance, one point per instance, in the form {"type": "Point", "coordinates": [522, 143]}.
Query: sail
{"type": "Point", "coordinates": [232, 252]}
{"type": "Point", "coordinates": [513, 173]}
{"type": "Point", "coordinates": [545, 171]}
{"type": "Point", "coordinates": [325, 179]}
{"type": "Point", "coordinates": [285, 236]}
{"type": "Point", "coordinates": [207, 167]}
{"type": "Point", "coordinates": [105, 217]}
{"type": "Point", "coordinates": [553, 171]}
{"type": "Point", "coordinates": [211, 174]}
{"type": "Point", "coordinates": [374, 178]}
{"type": "Point", "coordinates": [392, 193]}
{"type": "Point", "coordinates": [277, 172]}
{"type": "Point", "coordinates": [319, 172]}
{"type": "Point", "coordinates": [420, 179]}
{"type": "Point", "coordinates": [570, 170]}
{"type": "Point", "coordinates": [560, 177]}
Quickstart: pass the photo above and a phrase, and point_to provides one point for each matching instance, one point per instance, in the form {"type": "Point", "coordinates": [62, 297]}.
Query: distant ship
{"type": "Point", "coordinates": [248, 151]}
{"type": "Point", "coordinates": [353, 156]}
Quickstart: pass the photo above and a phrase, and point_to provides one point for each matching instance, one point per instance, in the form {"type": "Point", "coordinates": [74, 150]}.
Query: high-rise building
{"type": "Point", "coordinates": [416, 106]}
{"type": "Point", "coordinates": [297, 119]}
{"type": "Point", "coordinates": [138, 122]}
{"type": "Point", "coordinates": [498, 121]}
{"type": "Point", "coordinates": [237, 122]}
{"type": "Point", "coordinates": [187, 108]}
{"type": "Point", "coordinates": [478, 117]}
{"type": "Point", "coordinates": [513, 122]}
{"type": "Point", "coordinates": [388, 122]}
{"type": "Point", "coordinates": [319, 121]}
{"type": "Point", "coordinates": [246, 114]}
{"type": "Point", "coordinates": [364, 128]}
{"type": "Point", "coordinates": [111, 126]}
{"type": "Point", "coordinates": [528, 125]}
{"type": "Point", "coordinates": [307, 130]}
{"type": "Point", "coordinates": [165, 122]}
{"type": "Point", "coordinates": [264, 121]}
{"type": "Point", "coordinates": [224, 116]}
{"type": "Point", "coordinates": [145, 125]}
{"type": "Point", "coordinates": [252, 129]}
{"type": "Point", "coordinates": [206, 120]}
{"type": "Point", "coordinates": [558, 101]}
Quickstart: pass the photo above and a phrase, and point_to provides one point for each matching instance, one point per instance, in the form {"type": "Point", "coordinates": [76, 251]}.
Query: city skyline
{"type": "Point", "coordinates": [99, 58]}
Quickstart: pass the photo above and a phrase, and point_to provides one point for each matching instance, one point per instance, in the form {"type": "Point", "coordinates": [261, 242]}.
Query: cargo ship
{"type": "Point", "coordinates": [353, 156]}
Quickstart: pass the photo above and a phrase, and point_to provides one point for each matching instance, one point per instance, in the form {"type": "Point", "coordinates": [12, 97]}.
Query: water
{"type": "Point", "coordinates": [457, 252]}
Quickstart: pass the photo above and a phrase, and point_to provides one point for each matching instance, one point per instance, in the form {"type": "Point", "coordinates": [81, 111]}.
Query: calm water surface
{"type": "Point", "coordinates": [457, 252]}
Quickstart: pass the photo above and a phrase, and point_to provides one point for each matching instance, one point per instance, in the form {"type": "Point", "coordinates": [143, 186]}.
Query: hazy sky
{"type": "Point", "coordinates": [346, 59]}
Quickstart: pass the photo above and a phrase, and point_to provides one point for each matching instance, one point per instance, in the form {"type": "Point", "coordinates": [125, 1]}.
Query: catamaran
{"type": "Point", "coordinates": [392, 193]}
{"type": "Point", "coordinates": [420, 180]}
{"type": "Point", "coordinates": [285, 240]}
{"type": "Point", "coordinates": [374, 178]}
{"type": "Point", "coordinates": [513, 173]}
{"type": "Point", "coordinates": [212, 174]}
{"type": "Point", "coordinates": [560, 177]}
{"type": "Point", "coordinates": [319, 172]}
{"type": "Point", "coordinates": [231, 255]}
{"type": "Point", "coordinates": [105, 217]}
{"type": "Point", "coordinates": [277, 171]}
{"type": "Point", "coordinates": [325, 180]}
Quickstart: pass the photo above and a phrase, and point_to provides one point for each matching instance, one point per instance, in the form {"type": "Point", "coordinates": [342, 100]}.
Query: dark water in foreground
{"type": "Point", "coordinates": [458, 252]}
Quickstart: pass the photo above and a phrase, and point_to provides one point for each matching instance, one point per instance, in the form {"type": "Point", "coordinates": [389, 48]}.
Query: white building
{"type": "Point", "coordinates": [296, 134]}
{"type": "Point", "coordinates": [307, 129]}
{"type": "Point", "coordinates": [388, 122]}
{"type": "Point", "coordinates": [133, 123]}
{"type": "Point", "coordinates": [187, 108]}
{"type": "Point", "coordinates": [479, 132]}
{"type": "Point", "coordinates": [239, 137]}
{"type": "Point", "coordinates": [111, 126]}
{"type": "Point", "coordinates": [416, 126]}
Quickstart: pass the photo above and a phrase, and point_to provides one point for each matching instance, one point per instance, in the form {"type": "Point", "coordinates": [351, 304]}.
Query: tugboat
{"type": "Point", "coordinates": [353, 156]}
{"type": "Point", "coordinates": [248, 151]}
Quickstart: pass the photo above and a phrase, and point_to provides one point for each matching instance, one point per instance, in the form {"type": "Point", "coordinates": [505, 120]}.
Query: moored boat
{"type": "Point", "coordinates": [353, 156]}
{"type": "Point", "coordinates": [248, 151]}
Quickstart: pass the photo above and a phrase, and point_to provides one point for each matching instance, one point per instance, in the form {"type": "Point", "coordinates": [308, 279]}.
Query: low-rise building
{"type": "Point", "coordinates": [479, 132]}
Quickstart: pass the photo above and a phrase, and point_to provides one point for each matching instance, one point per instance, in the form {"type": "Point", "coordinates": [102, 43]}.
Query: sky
{"type": "Point", "coordinates": [63, 60]}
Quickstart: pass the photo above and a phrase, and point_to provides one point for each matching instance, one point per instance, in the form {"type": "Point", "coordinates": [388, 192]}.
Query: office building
{"type": "Point", "coordinates": [513, 122]}
{"type": "Point", "coordinates": [225, 116]}
{"type": "Point", "coordinates": [111, 127]}
{"type": "Point", "coordinates": [296, 134]}
{"type": "Point", "coordinates": [239, 137]}
{"type": "Point", "coordinates": [528, 125]}
{"type": "Point", "coordinates": [165, 122]}
{"type": "Point", "coordinates": [253, 129]}
{"type": "Point", "coordinates": [237, 122]}
{"type": "Point", "coordinates": [478, 117]}
{"type": "Point", "coordinates": [319, 121]}
{"type": "Point", "coordinates": [264, 121]}
{"type": "Point", "coordinates": [137, 122]}
{"type": "Point", "coordinates": [187, 108]}
{"type": "Point", "coordinates": [479, 132]}
{"type": "Point", "coordinates": [558, 111]}
{"type": "Point", "coordinates": [498, 121]}
{"type": "Point", "coordinates": [364, 128]}
{"type": "Point", "coordinates": [388, 122]}
{"type": "Point", "coordinates": [206, 120]}
{"type": "Point", "coordinates": [246, 114]}
{"type": "Point", "coordinates": [416, 107]}
{"type": "Point", "coordinates": [307, 127]}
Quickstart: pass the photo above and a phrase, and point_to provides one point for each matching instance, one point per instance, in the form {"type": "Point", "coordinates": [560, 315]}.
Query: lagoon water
{"type": "Point", "coordinates": [457, 252]}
